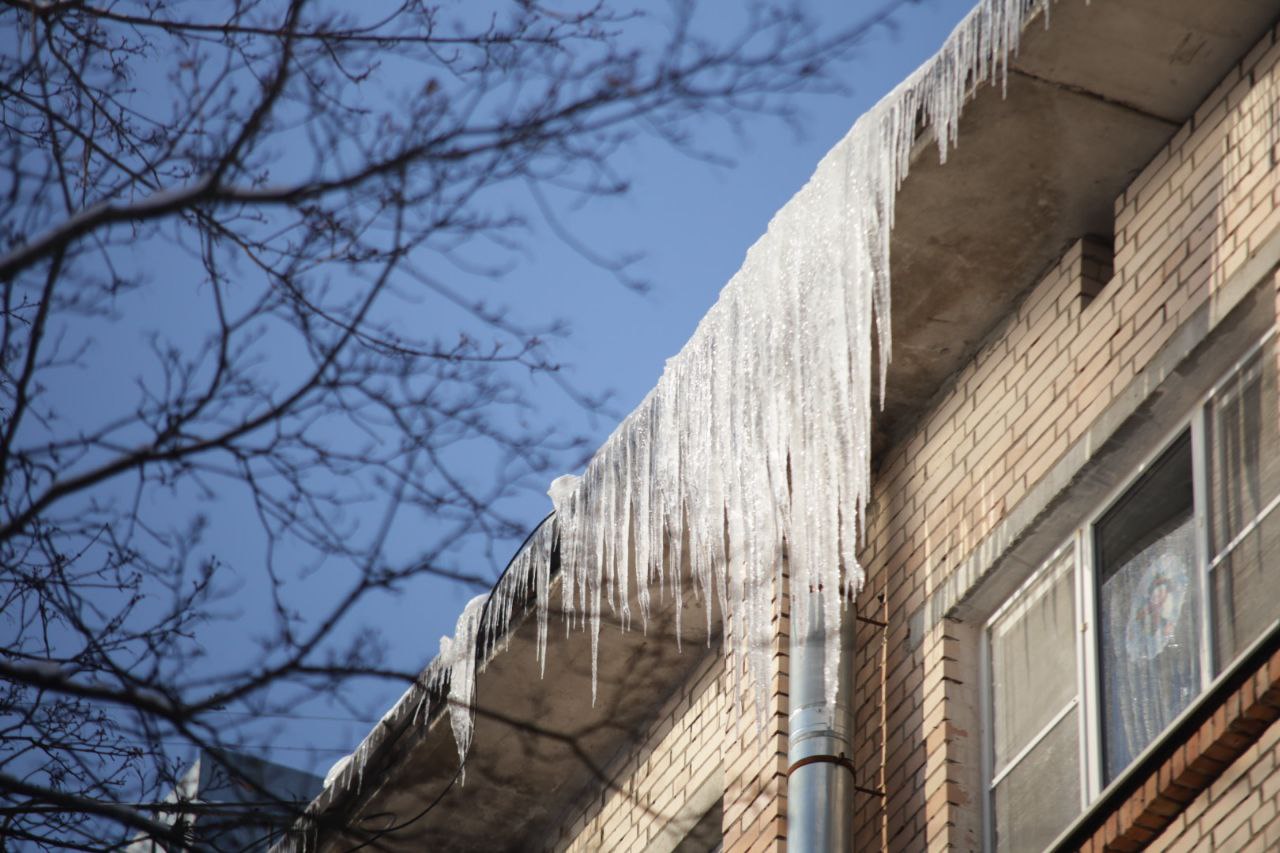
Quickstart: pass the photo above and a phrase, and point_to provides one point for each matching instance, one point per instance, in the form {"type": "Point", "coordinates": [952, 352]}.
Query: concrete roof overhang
{"type": "Point", "coordinates": [539, 743]}
{"type": "Point", "coordinates": [1089, 102]}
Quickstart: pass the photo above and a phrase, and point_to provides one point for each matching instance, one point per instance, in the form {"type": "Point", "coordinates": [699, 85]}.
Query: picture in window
{"type": "Point", "coordinates": [1148, 607]}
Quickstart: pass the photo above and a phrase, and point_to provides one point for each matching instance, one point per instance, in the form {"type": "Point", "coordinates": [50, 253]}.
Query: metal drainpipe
{"type": "Point", "coordinates": [820, 784]}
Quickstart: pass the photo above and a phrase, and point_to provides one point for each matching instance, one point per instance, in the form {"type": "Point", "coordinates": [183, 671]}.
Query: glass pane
{"type": "Point", "coordinates": [1246, 590]}
{"type": "Point", "coordinates": [1147, 608]}
{"type": "Point", "coordinates": [1244, 478]}
{"type": "Point", "coordinates": [1041, 795]}
{"type": "Point", "coordinates": [1033, 661]}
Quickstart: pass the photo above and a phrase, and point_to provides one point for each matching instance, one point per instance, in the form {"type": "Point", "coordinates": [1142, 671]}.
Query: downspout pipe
{"type": "Point", "coordinates": [820, 783]}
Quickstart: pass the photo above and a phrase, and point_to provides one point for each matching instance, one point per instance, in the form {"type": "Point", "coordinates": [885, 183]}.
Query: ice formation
{"type": "Point", "coordinates": [755, 443]}
{"type": "Point", "coordinates": [337, 769]}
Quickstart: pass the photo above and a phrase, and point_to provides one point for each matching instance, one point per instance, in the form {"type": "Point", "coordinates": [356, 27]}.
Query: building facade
{"type": "Point", "coordinates": [1067, 637]}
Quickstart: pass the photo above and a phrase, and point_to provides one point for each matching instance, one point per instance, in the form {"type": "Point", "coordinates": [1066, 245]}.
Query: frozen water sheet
{"type": "Point", "coordinates": [755, 443]}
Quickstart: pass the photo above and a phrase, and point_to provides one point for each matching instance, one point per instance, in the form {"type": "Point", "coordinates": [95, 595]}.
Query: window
{"type": "Point", "coordinates": [1243, 427]}
{"type": "Point", "coordinates": [1116, 634]}
{"type": "Point", "coordinates": [1035, 700]}
{"type": "Point", "coordinates": [1147, 614]}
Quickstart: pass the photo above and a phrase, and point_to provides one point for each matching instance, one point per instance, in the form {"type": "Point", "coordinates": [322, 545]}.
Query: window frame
{"type": "Point", "coordinates": [1089, 589]}
{"type": "Point", "coordinates": [1081, 542]}
{"type": "Point", "coordinates": [1046, 568]}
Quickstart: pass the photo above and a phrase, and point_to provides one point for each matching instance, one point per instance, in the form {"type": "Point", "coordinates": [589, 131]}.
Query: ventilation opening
{"type": "Point", "coordinates": [1097, 266]}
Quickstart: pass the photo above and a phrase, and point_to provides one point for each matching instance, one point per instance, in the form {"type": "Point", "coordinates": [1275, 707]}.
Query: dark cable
{"type": "Point", "coordinates": [480, 635]}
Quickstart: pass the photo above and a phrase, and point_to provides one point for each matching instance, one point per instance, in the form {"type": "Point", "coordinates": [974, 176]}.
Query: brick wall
{"type": "Point", "coordinates": [755, 759]}
{"type": "Point", "coordinates": [1184, 229]}
{"type": "Point", "coordinates": [678, 754]}
{"type": "Point", "coordinates": [1239, 812]}
{"type": "Point", "coordinates": [699, 749]}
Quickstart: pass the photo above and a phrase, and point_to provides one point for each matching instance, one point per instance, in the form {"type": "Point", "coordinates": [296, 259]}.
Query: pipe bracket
{"type": "Point", "coordinates": [842, 760]}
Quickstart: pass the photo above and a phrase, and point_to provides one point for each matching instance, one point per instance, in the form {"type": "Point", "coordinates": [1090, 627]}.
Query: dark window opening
{"type": "Point", "coordinates": [1097, 266]}
{"type": "Point", "coordinates": [1148, 607]}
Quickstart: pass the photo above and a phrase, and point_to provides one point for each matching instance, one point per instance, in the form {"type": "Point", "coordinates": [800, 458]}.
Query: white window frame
{"type": "Point", "coordinates": [1088, 650]}
{"type": "Point", "coordinates": [986, 710]}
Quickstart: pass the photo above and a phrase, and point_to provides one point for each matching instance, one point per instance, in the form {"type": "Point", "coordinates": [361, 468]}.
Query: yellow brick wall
{"type": "Point", "coordinates": [1188, 222]}
{"type": "Point", "coordinates": [698, 737]}
{"type": "Point", "coordinates": [681, 750]}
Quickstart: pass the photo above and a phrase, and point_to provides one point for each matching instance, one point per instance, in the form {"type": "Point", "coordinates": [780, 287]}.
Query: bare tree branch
{"type": "Point", "coordinates": [250, 352]}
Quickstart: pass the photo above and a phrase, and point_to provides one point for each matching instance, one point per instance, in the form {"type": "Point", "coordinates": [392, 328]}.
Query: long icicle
{"type": "Point", "coordinates": [755, 443]}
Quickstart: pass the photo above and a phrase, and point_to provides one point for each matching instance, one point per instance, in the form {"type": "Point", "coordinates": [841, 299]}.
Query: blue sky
{"type": "Point", "coordinates": [693, 221]}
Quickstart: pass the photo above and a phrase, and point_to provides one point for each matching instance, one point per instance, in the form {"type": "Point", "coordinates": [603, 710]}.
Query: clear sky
{"type": "Point", "coordinates": [693, 221]}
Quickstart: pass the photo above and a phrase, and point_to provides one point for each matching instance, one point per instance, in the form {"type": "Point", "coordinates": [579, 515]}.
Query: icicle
{"type": "Point", "coordinates": [754, 447]}
{"type": "Point", "coordinates": [758, 431]}
{"type": "Point", "coordinates": [562, 491]}
{"type": "Point", "coordinates": [456, 663]}
{"type": "Point", "coordinates": [338, 768]}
